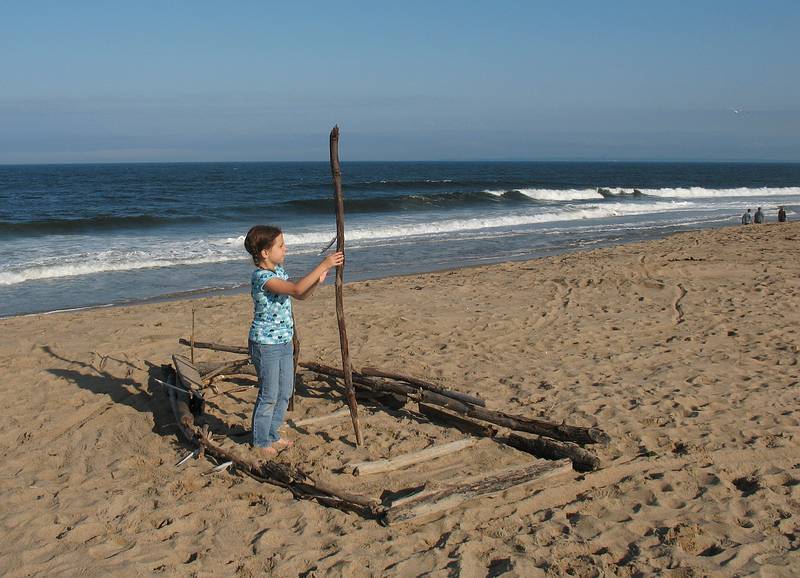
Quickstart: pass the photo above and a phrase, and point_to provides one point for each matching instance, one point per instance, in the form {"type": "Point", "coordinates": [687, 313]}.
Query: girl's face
{"type": "Point", "coordinates": [276, 253]}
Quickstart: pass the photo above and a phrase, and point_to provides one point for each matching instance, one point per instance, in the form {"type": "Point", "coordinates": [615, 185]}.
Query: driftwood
{"type": "Point", "coordinates": [437, 500]}
{"type": "Point", "coordinates": [350, 392]}
{"type": "Point", "coordinates": [295, 359]}
{"type": "Point", "coordinates": [465, 397]}
{"type": "Point", "coordinates": [379, 466]}
{"type": "Point", "coordinates": [215, 346]}
{"type": "Point", "coordinates": [561, 432]}
{"type": "Point", "coordinates": [321, 418]}
{"type": "Point", "coordinates": [462, 424]}
{"type": "Point", "coordinates": [191, 350]}
{"type": "Point", "coordinates": [582, 460]}
{"type": "Point", "coordinates": [300, 484]}
{"type": "Point", "coordinates": [228, 367]}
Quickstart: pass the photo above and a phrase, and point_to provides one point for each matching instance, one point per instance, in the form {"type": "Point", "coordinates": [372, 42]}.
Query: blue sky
{"type": "Point", "coordinates": [197, 81]}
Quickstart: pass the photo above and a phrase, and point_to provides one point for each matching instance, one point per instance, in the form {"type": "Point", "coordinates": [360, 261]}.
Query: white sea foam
{"type": "Point", "coordinates": [700, 192]}
{"type": "Point", "coordinates": [561, 195]}
{"type": "Point", "coordinates": [671, 193]}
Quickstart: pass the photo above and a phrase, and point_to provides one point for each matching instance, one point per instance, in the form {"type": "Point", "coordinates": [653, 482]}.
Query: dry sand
{"type": "Point", "coordinates": [685, 350]}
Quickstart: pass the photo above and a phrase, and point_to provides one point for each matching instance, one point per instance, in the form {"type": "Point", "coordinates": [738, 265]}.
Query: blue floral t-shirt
{"type": "Point", "coordinates": [272, 315]}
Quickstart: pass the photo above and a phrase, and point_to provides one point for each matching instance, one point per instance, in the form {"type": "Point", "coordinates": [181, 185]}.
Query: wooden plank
{"type": "Point", "coordinates": [188, 374]}
{"type": "Point", "coordinates": [388, 465]}
{"type": "Point", "coordinates": [432, 501]}
{"type": "Point", "coordinates": [215, 346]}
{"type": "Point", "coordinates": [582, 460]}
{"type": "Point", "coordinates": [465, 397]}
{"type": "Point", "coordinates": [462, 424]}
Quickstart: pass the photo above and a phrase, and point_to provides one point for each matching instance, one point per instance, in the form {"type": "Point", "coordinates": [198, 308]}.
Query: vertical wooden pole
{"type": "Point", "coordinates": [191, 350]}
{"type": "Point", "coordinates": [295, 359]}
{"type": "Point", "coordinates": [339, 201]}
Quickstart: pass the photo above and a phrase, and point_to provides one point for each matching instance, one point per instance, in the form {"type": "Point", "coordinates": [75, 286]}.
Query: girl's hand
{"type": "Point", "coordinates": [322, 276]}
{"type": "Point", "coordinates": [333, 260]}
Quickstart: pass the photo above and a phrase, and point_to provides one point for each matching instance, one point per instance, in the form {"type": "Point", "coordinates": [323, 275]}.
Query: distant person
{"type": "Point", "coordinates": [781, 215]}
{"type": "Point", "coordinates": [758, 218]}
{"type": "Point", "coordinates": [747, 218]}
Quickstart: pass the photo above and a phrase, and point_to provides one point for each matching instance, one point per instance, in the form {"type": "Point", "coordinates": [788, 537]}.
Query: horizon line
{"type": "Point", "coordinates": [459, 161]}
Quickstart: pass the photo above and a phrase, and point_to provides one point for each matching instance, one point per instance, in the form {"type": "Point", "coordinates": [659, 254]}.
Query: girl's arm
{"type": "Point", "coordinates": [302, 288]}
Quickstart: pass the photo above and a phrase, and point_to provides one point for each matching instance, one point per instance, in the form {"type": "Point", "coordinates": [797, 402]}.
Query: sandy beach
{"type": "Point", "coordinates": [684, 350]}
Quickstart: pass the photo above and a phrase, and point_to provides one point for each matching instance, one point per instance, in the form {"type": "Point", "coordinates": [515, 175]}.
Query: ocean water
{"type": "Point", "coordinates": [75, 236]}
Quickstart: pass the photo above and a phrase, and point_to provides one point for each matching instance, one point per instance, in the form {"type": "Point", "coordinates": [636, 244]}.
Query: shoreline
{"type": "Point", "coordinates": [684, 350]}
{"type": "Point", "coordinates": [202, 293]}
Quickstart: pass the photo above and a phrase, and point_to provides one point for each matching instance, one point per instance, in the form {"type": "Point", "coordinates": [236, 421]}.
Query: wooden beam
{"type": "Point", "coordinates": [295, 359]}
{"type": "Point", "coordinates": [432, 501]}
{"type": "Point", "coordinates": [399, 462]}
{"type": "Point", "coordinates": [462, 424]}
{"type": "Point", "coordinates": [215, 346]}
{"type": "Point", "coordinates": [465, 397]}
{"type": "Point", "coordinates": [582, 460]}
{"type": "Point", "coordinates": [350, 392]}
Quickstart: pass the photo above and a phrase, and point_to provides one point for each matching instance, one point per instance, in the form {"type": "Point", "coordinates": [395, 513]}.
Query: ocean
{"type": "Point", "coordinates": [75, 236]}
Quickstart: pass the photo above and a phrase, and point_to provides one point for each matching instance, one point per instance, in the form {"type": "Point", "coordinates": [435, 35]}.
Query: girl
{"type": "Point", "coordinates": [271, 332]}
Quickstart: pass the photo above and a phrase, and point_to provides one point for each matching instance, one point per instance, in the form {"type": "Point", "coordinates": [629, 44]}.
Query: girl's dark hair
{"type": "Point", "coordinates": [259, 238]}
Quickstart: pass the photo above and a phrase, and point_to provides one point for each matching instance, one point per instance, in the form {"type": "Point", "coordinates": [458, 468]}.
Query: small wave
{"type": "Point", "coordinates": [561, 195]}
{"type": "Point", "coordinates": [701, 192]}
{"type": "Point", "coordinates": [615, 192]}
{"type": "Point", "coordinates": [398, 203]}
{"type": "Point", "coordinates": [389, 184]}
{"type": "Point", "coordinates": [100, 222]}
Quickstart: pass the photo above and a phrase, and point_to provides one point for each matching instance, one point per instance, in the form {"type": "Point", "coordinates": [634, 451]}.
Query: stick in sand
{"type": "Point", "coordinates": [192, 347]}
{"type": "Point", "coordinates": [295, 360]}
{"type": "Point", "coordinates": [337, 197]}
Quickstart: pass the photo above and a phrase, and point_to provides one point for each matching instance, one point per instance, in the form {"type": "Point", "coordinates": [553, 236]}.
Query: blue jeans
{"type": "Point", "coordinates": [275, 368]}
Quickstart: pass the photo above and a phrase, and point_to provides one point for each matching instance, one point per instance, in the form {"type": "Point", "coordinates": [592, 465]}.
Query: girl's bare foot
{"type": "Point", "coordinates": [282, 443]}
{"type": "Point", "coordinates": [266, 453]}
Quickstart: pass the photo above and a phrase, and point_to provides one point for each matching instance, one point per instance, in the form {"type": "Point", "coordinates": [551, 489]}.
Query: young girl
{"type": "Point", "coordinates": [271, 332]}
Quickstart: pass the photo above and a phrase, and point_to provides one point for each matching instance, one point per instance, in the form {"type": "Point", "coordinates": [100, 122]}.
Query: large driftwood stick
{"type": "Point", "coordinates": [438, 500]}
{"type": "Point", "coordinates": [350, 392]}
{"type": "Point", "coordinates": [276, 473]}
{"type": "Point", "coordinates": [388, 465]}
{"type": "Point", "coordinates": [465, 397]}
{"type": "Point", "coordinates": [561, 432]}
{"type": "Point", "coordinates": [582, 460]}
{"type": "Point", "coordinates": [215, 346]}
{"type": "Point", "coordinates": [295, 359]}
{"type": "Point", "coordinates": [462, 424]}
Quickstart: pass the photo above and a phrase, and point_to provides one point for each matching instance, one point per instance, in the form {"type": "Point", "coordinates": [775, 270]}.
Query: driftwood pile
{"type": "Point", "coordinates": [560, 443]}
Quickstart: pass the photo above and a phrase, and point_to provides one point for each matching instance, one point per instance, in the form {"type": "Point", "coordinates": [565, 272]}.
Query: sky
{"type": "Point", "coordinates": [436, 80]}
